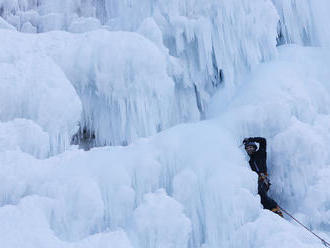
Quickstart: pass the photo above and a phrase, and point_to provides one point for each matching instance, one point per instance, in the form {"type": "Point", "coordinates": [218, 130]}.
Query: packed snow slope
{"type": "Point", "coordinates": [132, 69]}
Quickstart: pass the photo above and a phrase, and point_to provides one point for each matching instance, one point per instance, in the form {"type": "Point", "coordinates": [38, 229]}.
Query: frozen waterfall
{"type": "Point", "coordinates": [161, 94]}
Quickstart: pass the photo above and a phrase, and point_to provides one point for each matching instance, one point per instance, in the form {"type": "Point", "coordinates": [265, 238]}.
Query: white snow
{"type": "Point", "coordinates": [155, 227]}
{"type": "Point", "coordinates": [33, 87]}
{"type": "Point", "coordinates": [26, 136]}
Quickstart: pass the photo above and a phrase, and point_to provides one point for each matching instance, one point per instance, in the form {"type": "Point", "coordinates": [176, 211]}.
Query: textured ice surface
{"type": "Point", "coordinates": [154, 225]}
{"type": "Point", "coordinates": [192, 178]}
{"type": "Point", "coordinates": [26, 136]}
{"type": "Point", "coordinates": [33, 87]}
{"type": "Point", "coordinates": [304, 22]}
{"type": "Point", "coordinates": [202, 47]}
{"type": "Point", "coordinates": [119, 77]}
{"type": "Point", "coordinates": [5, 25]}
{"type": "Point", "coordinates": [190, 185]}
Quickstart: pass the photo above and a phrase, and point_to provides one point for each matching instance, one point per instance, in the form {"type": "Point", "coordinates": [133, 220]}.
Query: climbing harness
{"type": "Point", "coordinates": [324, 242]}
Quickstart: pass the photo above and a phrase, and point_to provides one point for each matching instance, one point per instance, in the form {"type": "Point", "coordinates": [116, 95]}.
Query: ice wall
{"type": "Point", "coordinates": [134, 85]}
{"type": "Point", "coordinates": [192, 179]}
{"type": "Point", "coordinates": [33, 16]}
{"type": "Point", "coordinates": [191, 185]}
{"type": "Point", "coordinates": [33, 87]}
{"type": "Point", "coordinates": [289, 103]}
{"type": "Point", "coordinates": [120, 77]}
{"type": "Point", "coordinates": [122, 81]}
{"type": "Point", "coordinates": [212, 39]}
{"type": "Point", "coordinates": [303, 22]}
{"type": "Point", "coordinates": [26, 136]}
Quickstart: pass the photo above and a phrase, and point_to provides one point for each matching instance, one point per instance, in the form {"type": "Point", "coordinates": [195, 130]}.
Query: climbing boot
{"type": "Point", "coordinates": [278, 211]}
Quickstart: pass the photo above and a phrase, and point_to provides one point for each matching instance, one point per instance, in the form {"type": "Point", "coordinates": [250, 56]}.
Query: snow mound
{"type": "Point", "coordinates": [35, 88]}
{"type": "Point", "coordinates": [24, 135]}
{"type": "Point", "coordinates": [160, 222]}
{"type": "Point", "coordinates": [35, 209]}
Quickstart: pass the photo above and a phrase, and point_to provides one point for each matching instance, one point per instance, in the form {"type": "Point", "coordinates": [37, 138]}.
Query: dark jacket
{"type": "Point", "coordinates": [258, 159]}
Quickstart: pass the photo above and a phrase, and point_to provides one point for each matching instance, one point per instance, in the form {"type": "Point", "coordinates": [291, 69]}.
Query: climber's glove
{"type": "Point", "coordinates": [263, 177]}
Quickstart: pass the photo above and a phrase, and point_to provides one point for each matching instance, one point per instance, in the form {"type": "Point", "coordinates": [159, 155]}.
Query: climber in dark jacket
{"type": "Point", "coordinates": [258, 164]}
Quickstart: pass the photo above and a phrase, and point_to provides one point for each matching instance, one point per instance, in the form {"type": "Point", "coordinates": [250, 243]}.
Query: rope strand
{"type": "Point", "coordinates": [324, 242]}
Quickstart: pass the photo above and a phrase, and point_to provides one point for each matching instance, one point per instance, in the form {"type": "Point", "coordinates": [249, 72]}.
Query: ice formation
{"type": "Point", "coordinates": [200, 47]}
{"type": "Point", "coordinates": [115, 71]}
{"type": "Point", "coordinates": [26, 136]}
{"type": "Point", "coordinates": [33, 87]}
{"type": "Point", "coordinates": [303, 22]}
{"type": "Point", "coordinates": [124, 88]}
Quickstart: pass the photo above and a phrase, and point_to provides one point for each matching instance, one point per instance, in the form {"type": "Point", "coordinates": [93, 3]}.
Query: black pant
{"type": "Point", "coordinates": [266, 201]}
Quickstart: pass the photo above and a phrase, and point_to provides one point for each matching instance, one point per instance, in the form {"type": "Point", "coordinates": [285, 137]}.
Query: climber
{"type": "Point", "coordinates": [257, 163]}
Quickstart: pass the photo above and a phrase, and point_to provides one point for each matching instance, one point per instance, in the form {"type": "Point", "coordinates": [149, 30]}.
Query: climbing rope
{"type": "Point", "coordinates": [325, 243]}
